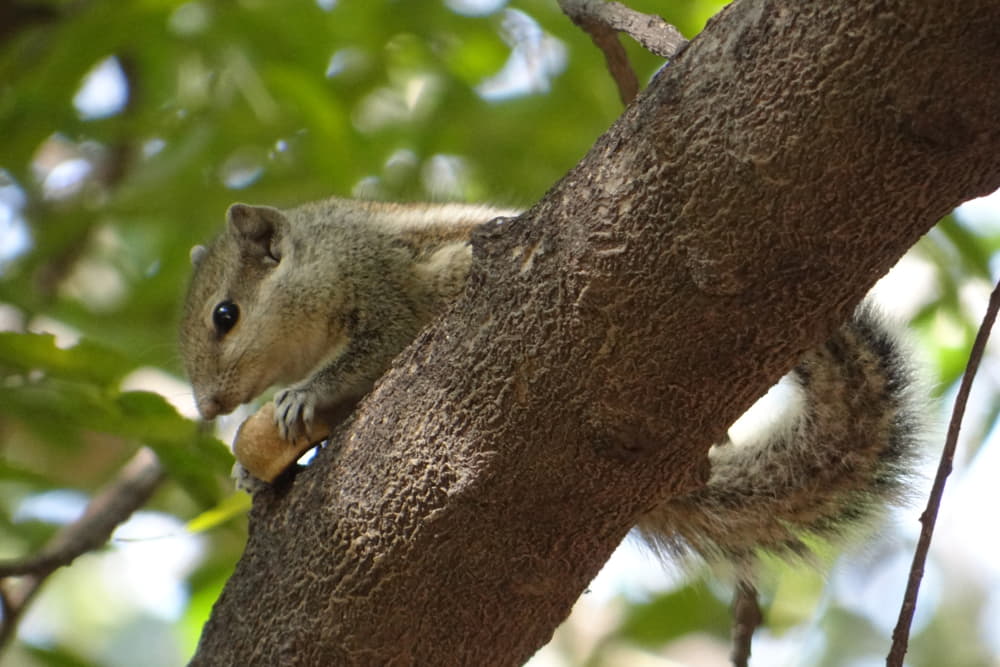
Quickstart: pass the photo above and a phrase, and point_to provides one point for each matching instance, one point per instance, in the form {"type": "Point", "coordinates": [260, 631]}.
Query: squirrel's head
{"type": "Point", "coordinates": [243, 328]}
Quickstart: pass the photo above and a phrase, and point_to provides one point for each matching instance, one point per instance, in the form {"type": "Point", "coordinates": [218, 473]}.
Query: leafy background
{"type": "Point", "coordinates": [127, 129]}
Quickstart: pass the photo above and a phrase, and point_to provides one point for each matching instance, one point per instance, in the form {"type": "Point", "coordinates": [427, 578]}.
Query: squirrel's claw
{"type": "Point", "coordinates": [294, 411]}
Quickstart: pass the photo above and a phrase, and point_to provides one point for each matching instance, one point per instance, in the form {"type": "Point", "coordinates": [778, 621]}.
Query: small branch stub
{"type": "Point", "coordinates": [603, 20]}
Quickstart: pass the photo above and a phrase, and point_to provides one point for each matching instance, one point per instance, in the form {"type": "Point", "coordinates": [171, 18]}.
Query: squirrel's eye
{"type": "Point", "coordinates": [225, 316]}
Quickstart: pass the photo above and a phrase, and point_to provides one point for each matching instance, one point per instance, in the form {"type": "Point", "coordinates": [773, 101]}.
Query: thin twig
{"type": "Point", "coordinates": [619, 66]}
{"type": "Point", "coordinates": [603, 20]}
{"type": "Point", "coordinates": [901, 634]}
{"type": "Point", "coordinates": [747, 617]}
{"type": "Point", "coordinates": [111, 507]}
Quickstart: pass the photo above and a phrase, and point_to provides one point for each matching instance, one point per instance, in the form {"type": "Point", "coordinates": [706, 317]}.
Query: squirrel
{"type": "Point", "coordinates": [256, 315]}
{"type": "Point", "coordinates": [320, 298]}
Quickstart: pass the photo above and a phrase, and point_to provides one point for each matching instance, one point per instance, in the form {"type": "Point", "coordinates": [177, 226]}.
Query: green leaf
{"type": "Point", "coordinates": [57, 411]}
{"type": "Point", "coordinates": [689, 609]}
{"type": "Point", "coordinates": [61, 412]}
{"type": "Point", "coordinates": [57, 656]}
{"type": "Point", "coordinates": [233, 505]}
{"type": "Point", "coordinates": [476, 56]}
{"type": "Point", "coordinates": [971, 248]}
{"type": "Point", "coordinates": [86, 361]}
{"type": "Point", "coordinates": [14, 473]}
{"type": "Point", "coordinates": [193, 458]}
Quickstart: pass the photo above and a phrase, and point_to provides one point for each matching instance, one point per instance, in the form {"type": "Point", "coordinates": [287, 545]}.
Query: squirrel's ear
{"type": "Point", "coordinates": [197, 254]}
{"type": "Point", "coordinates": [254, 223]}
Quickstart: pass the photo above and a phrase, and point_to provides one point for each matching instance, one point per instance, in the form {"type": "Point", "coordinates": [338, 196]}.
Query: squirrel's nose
{"type": "Point", "coordinates": [209, 407]}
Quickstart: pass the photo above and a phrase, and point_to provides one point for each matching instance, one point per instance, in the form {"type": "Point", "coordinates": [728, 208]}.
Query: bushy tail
{"type": "Point", "coordinates": [835, 465]}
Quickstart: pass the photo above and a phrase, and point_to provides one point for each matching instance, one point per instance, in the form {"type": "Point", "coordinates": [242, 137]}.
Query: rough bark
{"type": "Point", "coordinates": [727, 222]}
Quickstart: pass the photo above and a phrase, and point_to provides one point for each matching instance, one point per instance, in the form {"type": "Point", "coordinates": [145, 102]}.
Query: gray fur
{"type": "Point", "coordinates": [328, 293]}
{"type": "Point", "coordinates": [829, 469]}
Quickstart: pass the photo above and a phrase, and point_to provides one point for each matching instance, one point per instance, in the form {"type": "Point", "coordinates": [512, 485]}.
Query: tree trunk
{"type": "Point", "coordinates": [727, 222]}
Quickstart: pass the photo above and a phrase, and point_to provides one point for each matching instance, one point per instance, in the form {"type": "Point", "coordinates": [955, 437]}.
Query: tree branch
{"type": "Point", "coordinates": [726, 223]}
{"type": "Point", "coordinates": [107, 510]}
{"type": "Point", "coordinates": [604, 20]}
{"type": "Point", "coordinates": [747, 617]}
{"type": "Point", "coordinates": [901, 633]}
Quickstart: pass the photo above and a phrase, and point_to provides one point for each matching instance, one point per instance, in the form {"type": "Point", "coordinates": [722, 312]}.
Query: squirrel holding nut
{"type": "Point", "coordinates": [320, 298]}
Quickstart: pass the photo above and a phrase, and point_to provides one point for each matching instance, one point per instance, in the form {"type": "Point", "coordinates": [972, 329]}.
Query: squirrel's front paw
{"type": "Point", "coordinates": [245, 481]}
{"type": "Point", "coordinates": [294, 409]}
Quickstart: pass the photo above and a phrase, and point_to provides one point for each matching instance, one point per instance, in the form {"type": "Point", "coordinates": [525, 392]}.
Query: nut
{"type": "Point", "coordinates": [262, 451]}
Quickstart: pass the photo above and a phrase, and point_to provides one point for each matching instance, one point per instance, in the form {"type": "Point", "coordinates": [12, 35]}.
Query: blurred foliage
{"type": "Point", "coordinates": [129, 126]}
